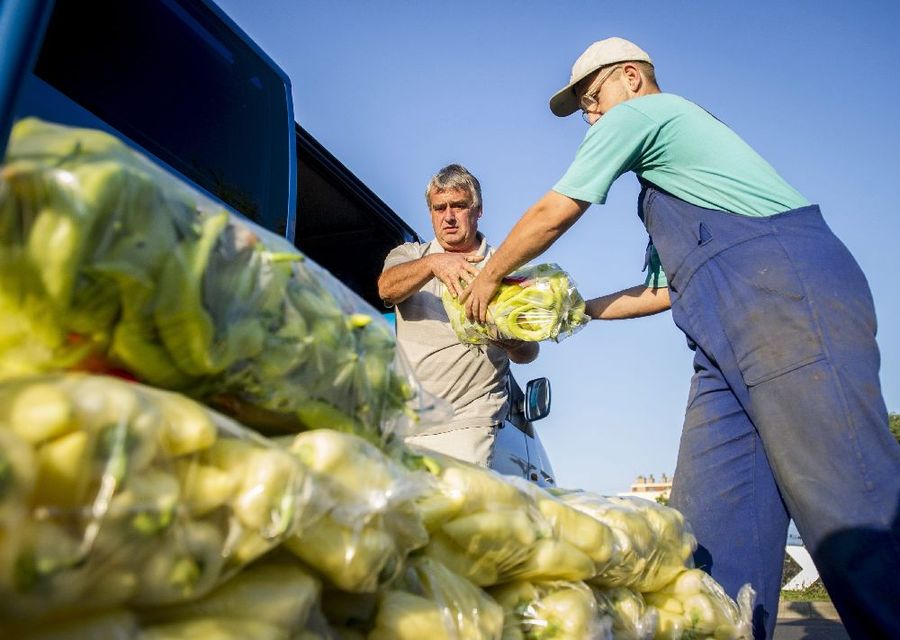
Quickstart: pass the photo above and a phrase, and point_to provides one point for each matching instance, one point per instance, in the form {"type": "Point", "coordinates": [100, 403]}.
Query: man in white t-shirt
{"type": "Point", "coordinates": [473, 380]}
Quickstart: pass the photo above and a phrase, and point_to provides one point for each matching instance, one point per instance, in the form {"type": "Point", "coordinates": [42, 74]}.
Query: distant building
{"type": "Point", "coordinates": [650, 488]}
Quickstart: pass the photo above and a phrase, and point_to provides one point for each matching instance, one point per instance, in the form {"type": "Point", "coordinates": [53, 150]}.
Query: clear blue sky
{"type": "Point", "coordinates": [398, 89]}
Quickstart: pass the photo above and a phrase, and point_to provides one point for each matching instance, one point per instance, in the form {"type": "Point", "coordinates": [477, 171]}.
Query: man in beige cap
{"type": "Point", "coordinates": [473, 380]}
{"type": "Point", "coordinates": [785, 417]}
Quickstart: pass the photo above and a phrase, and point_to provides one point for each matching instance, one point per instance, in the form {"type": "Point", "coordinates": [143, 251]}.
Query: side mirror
{"type": "Point", "coordinates": [537, 399]}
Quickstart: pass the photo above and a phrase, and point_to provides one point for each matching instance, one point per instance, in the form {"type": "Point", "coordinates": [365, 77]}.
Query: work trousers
{"type": "Point", "coordinates": [785, 416]}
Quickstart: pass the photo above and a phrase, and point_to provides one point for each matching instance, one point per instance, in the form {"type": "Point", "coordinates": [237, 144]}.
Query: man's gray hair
{"type": "Point", "coordinates": [649, 72]}
{"type": "Point", "coordinates": [454, 176]}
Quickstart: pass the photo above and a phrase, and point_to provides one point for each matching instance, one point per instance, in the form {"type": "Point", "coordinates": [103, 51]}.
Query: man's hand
{"type": "Point", "coordinates": [453, 269]}
{"type": "Point", "coordinates": [477, 296]}
{"type": "Point", "coordinates": [536, 230]}
{"type": "Point", "coordinates": [518, 351]}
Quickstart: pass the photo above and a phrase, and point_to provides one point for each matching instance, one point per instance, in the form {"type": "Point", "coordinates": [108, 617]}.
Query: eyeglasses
{"type": "Point", "coordinates": [589, 101]}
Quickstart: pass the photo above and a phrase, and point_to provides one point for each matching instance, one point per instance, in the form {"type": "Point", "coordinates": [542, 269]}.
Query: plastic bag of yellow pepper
{"type": "Point", "coordinates": [368, 520]}
{"type": "Point", "coordinates": [653, 542]}
{"type": "Point", "coordinates": [432, 602]}
{"type": "Point", "coordinates": [115, 494]}
{"type": "Point", "coordinates": [534, 303]}
{"type": "Point", "coordinates": [489, 530]}
{"type": "Point", "coordinates": [550, 611]}
{"type": "Point", "coordinates": [111, 265]}
{"type": "Point", "coordinates": [694, 605]}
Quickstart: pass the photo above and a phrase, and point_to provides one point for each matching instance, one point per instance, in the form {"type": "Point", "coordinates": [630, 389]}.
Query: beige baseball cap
{"type": "Point", "coordinates": [600, 54]}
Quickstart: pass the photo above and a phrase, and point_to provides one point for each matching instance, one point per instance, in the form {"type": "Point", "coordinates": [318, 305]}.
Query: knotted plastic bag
{"type": "Point", "coordinates": [533, 304]}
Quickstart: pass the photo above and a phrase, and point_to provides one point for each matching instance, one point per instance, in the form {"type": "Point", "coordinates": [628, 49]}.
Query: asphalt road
{"type": "Point", "coordinates": [809, 621]}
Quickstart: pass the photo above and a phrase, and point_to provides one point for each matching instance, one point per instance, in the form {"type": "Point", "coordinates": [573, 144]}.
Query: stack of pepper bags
{"type": "Point", "coordinates": [138, 509]}
{"type": "Point", "coordinates": [115, 495]}
{"type": "Point", "coordinates": [110, 264]}
{"type": "Point", "coordinates": [534, 303]}
{"type": "Point", "coordinates": [133, 512]}
{"type": "Point", "coordinates": [541, 554]}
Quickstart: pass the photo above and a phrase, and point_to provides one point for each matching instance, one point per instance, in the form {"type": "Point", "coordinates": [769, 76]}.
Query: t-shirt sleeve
{"type": "Point", "coordinates": [404, 253]}
{"type": "Point", "coordinates": [612, 146]}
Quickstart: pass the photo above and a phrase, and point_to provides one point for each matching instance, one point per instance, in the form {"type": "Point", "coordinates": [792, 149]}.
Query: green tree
{"type": "Point", "coordinates": [894, 420]}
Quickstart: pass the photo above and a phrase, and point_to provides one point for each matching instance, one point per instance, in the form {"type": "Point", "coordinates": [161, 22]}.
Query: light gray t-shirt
{"type": "Point", "coordinates": [472, 379]}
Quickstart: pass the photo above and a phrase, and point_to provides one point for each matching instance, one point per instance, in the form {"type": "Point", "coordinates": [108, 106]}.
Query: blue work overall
{"type": "Point", "coordinates": [785, 417]}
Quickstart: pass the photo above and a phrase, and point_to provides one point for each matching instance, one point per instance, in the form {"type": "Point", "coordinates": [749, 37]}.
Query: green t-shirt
{"type": "Point", "coordinates": [682, 149]}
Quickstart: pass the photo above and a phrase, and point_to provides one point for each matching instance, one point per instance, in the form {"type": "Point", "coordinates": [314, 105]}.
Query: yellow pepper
{"type": "Point", "coordinates": [503, 534]}
{"type": "Point", "coordinates": [406, 616]}
{"type": "Point", "coordinates": [40, 412]}
{"type": "Point", "coordinates": [550, 559]}
{"type": "Point", "coordinates": [63, 478]}
{"type": "Point", "coordinates": [482, 571]}
{"type": "Point", "coordinates": [355, 559]}
{"type": "Point", "coordinates": [186, 426]}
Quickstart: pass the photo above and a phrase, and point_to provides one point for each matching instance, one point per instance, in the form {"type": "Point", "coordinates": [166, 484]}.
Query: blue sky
{"type": "Point", "coordinates": [398, 89]}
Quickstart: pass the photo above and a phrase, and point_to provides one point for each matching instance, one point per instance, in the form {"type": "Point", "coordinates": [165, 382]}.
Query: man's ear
{"type": "Point", "coordinates": [633, 76]}
{"type": "Point", "coordinates": [480, 211]}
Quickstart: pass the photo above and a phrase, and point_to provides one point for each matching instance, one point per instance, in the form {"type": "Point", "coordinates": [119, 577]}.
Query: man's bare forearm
{"type": "Point", "coordinates": [635, 302]}
{"type": "Point", "coordinates": [536, 230]}
{"type": "Point", "coordinates": [399, 282]}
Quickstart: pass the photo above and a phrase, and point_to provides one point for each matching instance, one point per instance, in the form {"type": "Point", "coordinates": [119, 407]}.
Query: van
{"type": "Point", "coordinates": [179, 81]}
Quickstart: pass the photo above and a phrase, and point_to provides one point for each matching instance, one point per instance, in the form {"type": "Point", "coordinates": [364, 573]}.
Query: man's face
{"type": "Point", "coordinates": [454, 220]}
{"type": "Point", "coordinates": [599, 93]}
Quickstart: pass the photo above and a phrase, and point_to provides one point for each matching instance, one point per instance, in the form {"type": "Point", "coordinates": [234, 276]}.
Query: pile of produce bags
{"type": "Point", "coordinates": [534, 303]}
{"type": "Point", "coordinates": [133, 312]}
{"type": "Point", "coordinates": [139, 509]}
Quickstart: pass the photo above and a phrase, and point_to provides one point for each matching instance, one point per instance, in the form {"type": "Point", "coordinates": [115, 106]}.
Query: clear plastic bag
{"type": "Point", "coordinates": [588, 534]}
{"type": "Point", "coordinates": [369, 521]}
{"type": "Point", "coordinates": [534, 303]}
{"type": "Point", "coordinates": [693, 605]}
{"type": "Point", "coordinates": [116, 494]}
{"type": "Point", "coordinates": [111, 265]}
{"type": "Point", "coordinates": [432, 602]}
{"type": "Point", "coordinates": [627, 613]}
{"type": "Point", "coordinates": [653, 542]}
{"type": "Point", "coordinates": [486, 528]}
{"type": "Point", "coordinates": [550, 611]}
